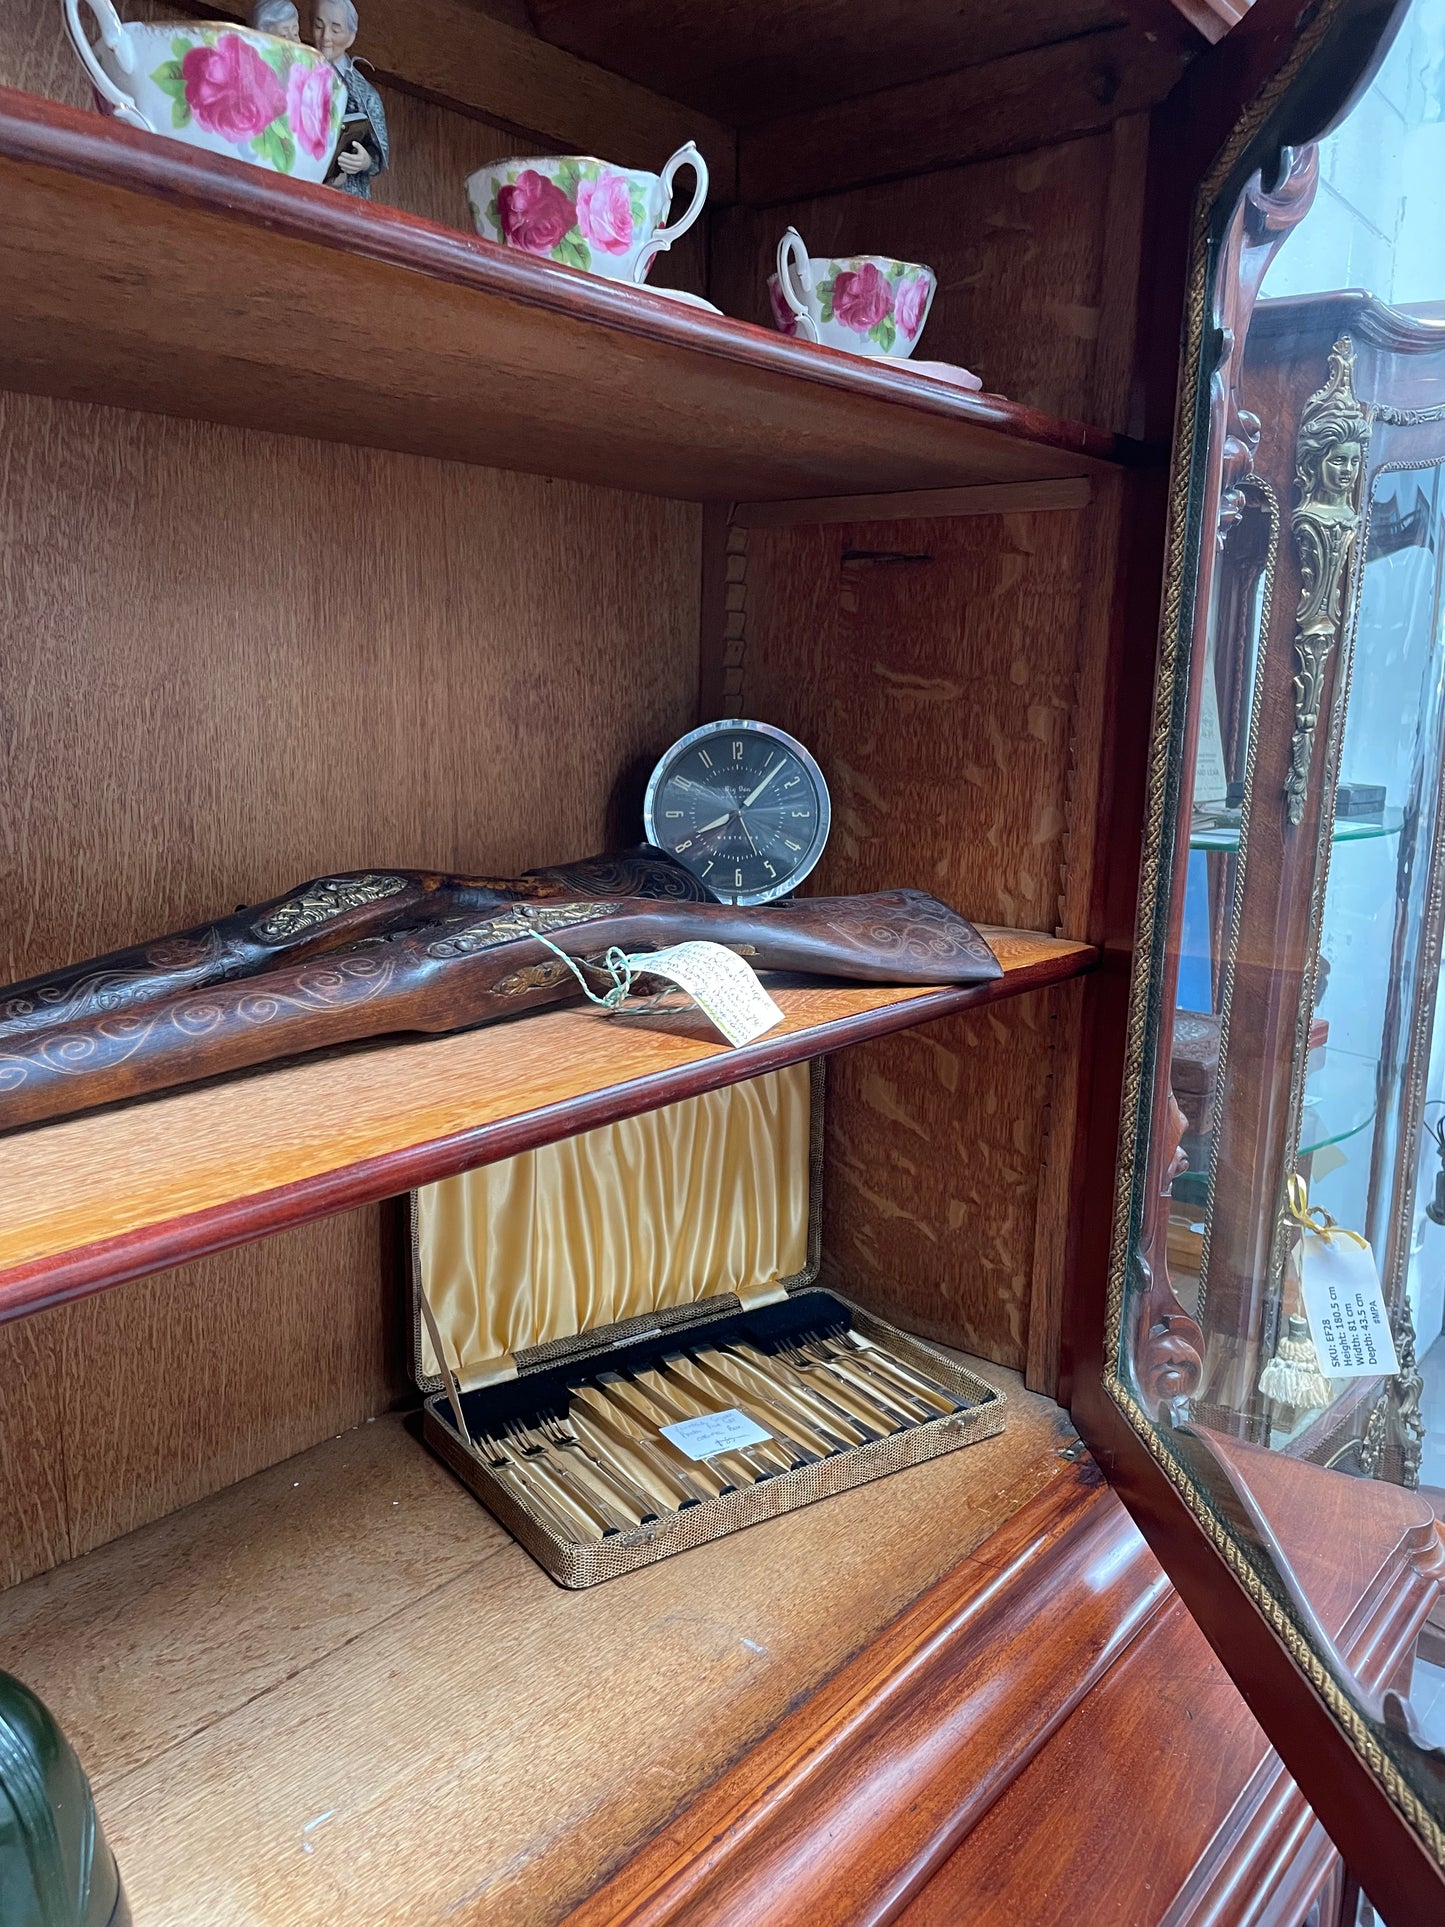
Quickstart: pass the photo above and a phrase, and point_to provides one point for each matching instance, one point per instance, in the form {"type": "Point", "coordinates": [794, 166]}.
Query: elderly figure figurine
{"type": "Point", "coordinates": [279, 17]}
{"type": "Point", "coordinates": [364, 149]}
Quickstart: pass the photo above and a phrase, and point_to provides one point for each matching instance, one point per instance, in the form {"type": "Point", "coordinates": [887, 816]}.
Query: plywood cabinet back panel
{"type": "Point", "coordinates": [232, 662]}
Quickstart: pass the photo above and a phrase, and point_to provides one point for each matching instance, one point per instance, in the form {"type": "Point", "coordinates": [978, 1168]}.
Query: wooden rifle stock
{"type": "Point", "coordinates": [451, 972]}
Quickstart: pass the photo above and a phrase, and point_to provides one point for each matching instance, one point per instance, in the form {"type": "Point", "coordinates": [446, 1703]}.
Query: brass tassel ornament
{"type": "Point", "coordinates": [1293, 1375]}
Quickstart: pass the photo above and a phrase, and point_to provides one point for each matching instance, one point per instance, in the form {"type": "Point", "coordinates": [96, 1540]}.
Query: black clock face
{"type": "Point", "coordinates": [743, 806]}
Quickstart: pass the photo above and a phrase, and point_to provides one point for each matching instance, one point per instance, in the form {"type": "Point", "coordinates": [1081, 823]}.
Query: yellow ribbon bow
{"type": "Point", "coordinates": [1313, 1218]}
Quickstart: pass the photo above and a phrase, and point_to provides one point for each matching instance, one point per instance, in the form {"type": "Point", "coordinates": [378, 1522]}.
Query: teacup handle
{"type": "Point", "coordinates": [793, 260]}
{"type": "Point", "coordinates": [113, 33]}
{"type": "Point", "coordinates": [687, 156]}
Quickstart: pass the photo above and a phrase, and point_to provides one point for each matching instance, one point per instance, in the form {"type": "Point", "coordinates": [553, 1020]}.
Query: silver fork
{"type": "Point", "coordinates": [534, 1453]}
{"type": "Point", "coordinates": [528, 1491]}
{"type": "Point", "coordinates": [559, 1433]}
{"type": "Point", "coordinates": [865, 1393]}
{"type": "Point", "coordinates": [883, 1364]}
{"type": "Point", "coordinates": [862, 1371]}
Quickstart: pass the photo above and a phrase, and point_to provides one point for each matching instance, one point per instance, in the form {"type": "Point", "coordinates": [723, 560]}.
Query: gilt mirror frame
{"type": "Point", "coordinates": [1304, 69]}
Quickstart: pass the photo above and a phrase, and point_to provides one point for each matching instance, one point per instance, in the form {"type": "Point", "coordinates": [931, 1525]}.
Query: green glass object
{"type": "Point", "coordinates": [55, 1868]}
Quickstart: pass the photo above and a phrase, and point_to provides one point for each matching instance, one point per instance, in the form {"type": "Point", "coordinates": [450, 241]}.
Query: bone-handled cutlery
{"type": "Point", "coordinates": [600, 1421]}
{"type": "Point", "coordinates": [910, 1411]}
{"type": "Point", "coordinates": [602, 1480]}
{"type": "Point", "coordinates": [853, 1428]}
{"type": "Point", "coordinates": [908, 1376]}
{"type": "Point", "coordinates": [862, 1371]}
{"type": "Point", "coordinates": [638, 1408]}
{"type": "Point", "coordinates": [756, 1463]}
{"type": "Point", "coordinates": [606, 1464]}
{"type": "Point", "coordinates": [706, 1388]}
{"type": "Point", "coordinates": [564, 1520]}
{"type": "Point", "coordinates": [863, 1398]}
{"type": "Point", "coordinates": [774, 1399]}
{"type": "Point", "coordinates": [547, 1465]}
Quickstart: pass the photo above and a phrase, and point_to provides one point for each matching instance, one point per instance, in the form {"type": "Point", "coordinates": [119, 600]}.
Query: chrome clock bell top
{"type": "Point", "coordinates": [743, 805]}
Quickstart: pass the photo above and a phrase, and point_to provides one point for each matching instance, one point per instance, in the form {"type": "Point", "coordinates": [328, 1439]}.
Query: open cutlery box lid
{"type": "Point", "coordinates": [694, 1227]}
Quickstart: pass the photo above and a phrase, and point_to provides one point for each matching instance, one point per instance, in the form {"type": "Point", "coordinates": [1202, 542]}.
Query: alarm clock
{"type": "Point", "coordinates": [743, 805]}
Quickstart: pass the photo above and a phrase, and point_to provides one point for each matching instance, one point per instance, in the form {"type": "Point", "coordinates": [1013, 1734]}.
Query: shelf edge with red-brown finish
{"type": "Point", "coordinates": [91, 1201]}
{"type": "Point", "coordinates": [142, 273]}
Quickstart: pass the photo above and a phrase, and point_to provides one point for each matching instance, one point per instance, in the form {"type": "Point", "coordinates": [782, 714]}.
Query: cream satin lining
{"type": "Point", "coordinates": [706, 1196]}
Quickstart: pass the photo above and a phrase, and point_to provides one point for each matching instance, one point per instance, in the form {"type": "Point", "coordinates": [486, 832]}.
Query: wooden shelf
{"type": "Point", "coordinates": [338, 1692]}
{"type": "Point", "coordinates": [141, 273]}
{"type": "Point", "coordinates": [92, 1200]}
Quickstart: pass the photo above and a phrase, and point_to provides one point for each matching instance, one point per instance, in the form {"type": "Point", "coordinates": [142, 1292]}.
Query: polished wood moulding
{"type": "Point", "coordinates": [92, 1200]}
{"type": "Point", "coordinates": [138, 272]}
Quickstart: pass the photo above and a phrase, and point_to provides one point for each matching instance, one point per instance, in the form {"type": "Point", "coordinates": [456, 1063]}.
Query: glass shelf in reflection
{"type": "Point", "coordinates": [1348, 829]}
{"type": "Point", "coordinates": [1340, 1097]}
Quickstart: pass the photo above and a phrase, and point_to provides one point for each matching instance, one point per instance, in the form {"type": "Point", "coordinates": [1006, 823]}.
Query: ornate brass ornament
{"type": "Point", "coordinates": [319, 902]}
{"type": "Point", "coordinates": [1396, 1419]}
{"type": "Point", "coordinates": [1329, 473]}
{"type": "Point", "coordinates": [519, 920]}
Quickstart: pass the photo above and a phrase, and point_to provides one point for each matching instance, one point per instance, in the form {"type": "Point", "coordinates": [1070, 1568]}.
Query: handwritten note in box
{"type": "Point", "coordinates": [1346, 1307]}
{"type": "Point", "coordinates": [714, 1432]}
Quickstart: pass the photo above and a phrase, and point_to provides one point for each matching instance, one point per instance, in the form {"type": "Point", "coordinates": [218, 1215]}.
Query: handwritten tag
{"type": "Point", "coordinates": [714, 1432]}
{"type": "Point", "coordinates": [1346, 1308]}
{"type": "Point", "coordinates": [722, 984]}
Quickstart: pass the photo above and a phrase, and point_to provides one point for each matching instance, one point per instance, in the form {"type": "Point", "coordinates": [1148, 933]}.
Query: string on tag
{"type": "Point", "coordinates": [622, 969]}
{"type": "Point", "coordinates": [1313, 1218]}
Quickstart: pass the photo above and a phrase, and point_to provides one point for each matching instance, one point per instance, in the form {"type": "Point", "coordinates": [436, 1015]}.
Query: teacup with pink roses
{"type": "Point", "coordinates": [869, 304]}
{"type": "Point", "coordinates": [584, 212]}
{"type": "Point", "coordinates": [259, 97]}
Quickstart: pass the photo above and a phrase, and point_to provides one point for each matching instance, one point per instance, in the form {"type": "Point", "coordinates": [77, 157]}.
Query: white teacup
{"type": "Point", "coordinates": [584, 212]}
{"type": "Point", "coordinates": [231, 91]}
{"type": "Point", "coordinates": [869, 304]}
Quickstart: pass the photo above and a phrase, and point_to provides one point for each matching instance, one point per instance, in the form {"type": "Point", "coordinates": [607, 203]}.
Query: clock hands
{"type": "Point", "coordinates": [716, 824]}
{"type": "Point", "coordinates": [748, 801]}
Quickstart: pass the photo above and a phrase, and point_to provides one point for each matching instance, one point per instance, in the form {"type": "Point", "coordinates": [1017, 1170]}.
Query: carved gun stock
{"type": "Point", "coordinates": [451, 972]}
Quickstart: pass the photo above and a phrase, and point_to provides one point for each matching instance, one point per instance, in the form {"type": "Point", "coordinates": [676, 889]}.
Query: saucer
{"type": "Point", "coordinates": [948, 371]}
{"type": "Point", "coordinates": [676, 294]}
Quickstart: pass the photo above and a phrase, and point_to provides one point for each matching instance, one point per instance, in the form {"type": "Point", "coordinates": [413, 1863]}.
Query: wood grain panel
{"type": "Point", "coordinates": [34, 1515]}
{"type": "Point", "coordinates": [230, 663]}
{"type": "Point", "coordinates": [339, 1692]}
{"type": "Point", "coordinates": [1017, 104]}
{"type": "Point", "coordinates": [940, 693]}
{"type": "Point", "coordinates": [751, 62]}
{"type": "Point", "coordinates": [1019, 247]}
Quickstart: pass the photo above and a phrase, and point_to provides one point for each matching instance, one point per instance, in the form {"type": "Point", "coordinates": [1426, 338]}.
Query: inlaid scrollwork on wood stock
{"type": "Point", "coordinates": [1330, 453]}
{"type": "Point", "coordinates": [524, 920]}
{"type": "Point", "coordinates": [323, 900]}
{"type": "Point", "coordinates": [428, 974]}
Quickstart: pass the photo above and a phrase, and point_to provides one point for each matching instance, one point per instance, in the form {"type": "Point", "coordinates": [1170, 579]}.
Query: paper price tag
{"type": "Point", "coordinates": [1346, 1308]}
{"type": "Point", "coordinates": [722, 984]}
{"type": "Point", "coordinates": [714, 1432]}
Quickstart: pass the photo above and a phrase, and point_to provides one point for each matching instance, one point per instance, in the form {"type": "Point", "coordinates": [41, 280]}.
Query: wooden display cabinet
{"type": "Point", "coordinates": [334, 536]}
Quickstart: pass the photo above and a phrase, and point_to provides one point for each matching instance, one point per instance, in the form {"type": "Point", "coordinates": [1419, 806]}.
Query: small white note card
{"type": "Point", "coordinates": [1346, 1308]}
{"type": "Point", "coordinates": [722, 984]}
{"type": "Point", "coordinates": [714, 1432]}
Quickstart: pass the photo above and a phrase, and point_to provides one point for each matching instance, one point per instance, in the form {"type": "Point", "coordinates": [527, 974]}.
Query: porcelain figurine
{"type": "Point", "coordinates": [257, 97]}
{"type": "Point", "coordinates": [584, 212]}
{"type": "Point", "coordinates": [365, 149]}
{"type": "Point", "coordinates": [278, 17]}
{"type": "Point", "coordinates": [869, 304]}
